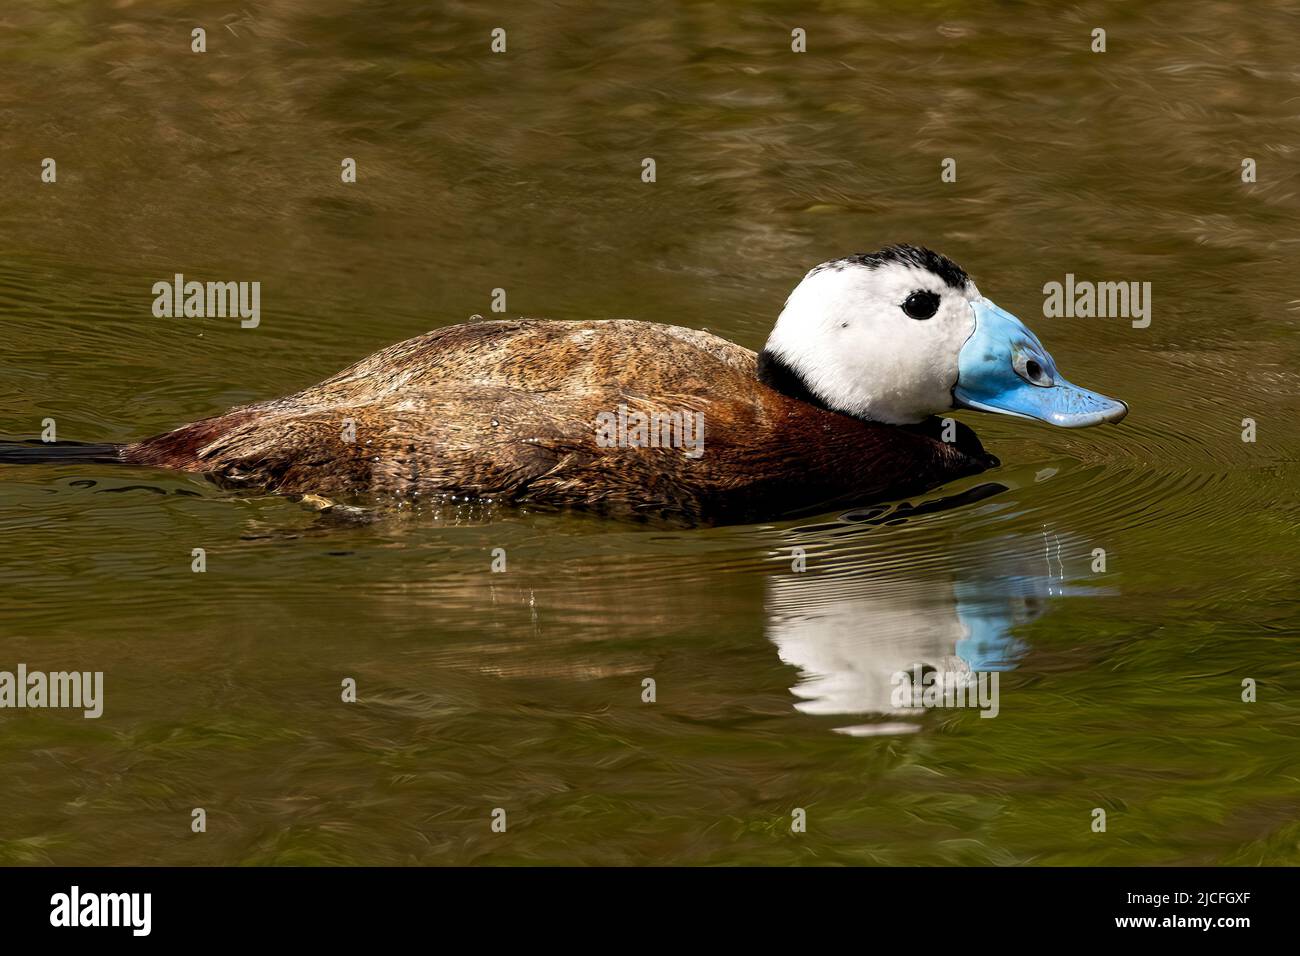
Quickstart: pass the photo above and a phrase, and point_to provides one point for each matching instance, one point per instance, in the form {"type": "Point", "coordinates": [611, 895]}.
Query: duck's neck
{"type": "Point", "coordinates": [961, 436]}
{"type": "Point", "coordinates": [777, 374]}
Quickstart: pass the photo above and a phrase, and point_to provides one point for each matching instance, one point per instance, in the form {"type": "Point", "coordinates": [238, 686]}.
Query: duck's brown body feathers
{"type": "Point", "coordinates": [509, 411]}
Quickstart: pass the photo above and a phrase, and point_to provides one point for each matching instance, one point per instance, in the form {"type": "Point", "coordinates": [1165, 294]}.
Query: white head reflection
{"type": "Point", "coordinates": [853, 635]}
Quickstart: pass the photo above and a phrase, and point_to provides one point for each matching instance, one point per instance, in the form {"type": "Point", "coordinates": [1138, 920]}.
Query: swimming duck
{"type": "Point", "coordinates": [636, 418]}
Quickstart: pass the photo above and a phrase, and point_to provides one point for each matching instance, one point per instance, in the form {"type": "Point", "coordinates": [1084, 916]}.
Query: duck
{"type": "Point", "coordinates": [637, 419]}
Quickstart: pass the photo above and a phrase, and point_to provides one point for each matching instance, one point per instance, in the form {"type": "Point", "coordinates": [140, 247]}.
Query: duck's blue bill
{"type": "Point", "coordinates": [1004, 368]}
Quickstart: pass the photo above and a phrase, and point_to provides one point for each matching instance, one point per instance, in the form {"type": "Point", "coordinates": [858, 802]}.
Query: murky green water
{"type": "Point", "coordinates": [522, 690]}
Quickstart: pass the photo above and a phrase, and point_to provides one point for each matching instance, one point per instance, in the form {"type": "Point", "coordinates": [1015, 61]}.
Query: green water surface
{"type": "Point", "coordinates": [1120, 689]}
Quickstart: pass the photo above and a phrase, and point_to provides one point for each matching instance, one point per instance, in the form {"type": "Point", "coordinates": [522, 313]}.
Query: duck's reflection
{"type": "Point", "coordinates": [872, 644]}
{"type": "Point", "coordinates": [884, 592]}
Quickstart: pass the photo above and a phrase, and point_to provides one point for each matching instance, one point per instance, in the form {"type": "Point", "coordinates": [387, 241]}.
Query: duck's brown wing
{"type": "Point", "coordinates": [538, 355]}
{"type": "Point", "coordinates": [482, 408]}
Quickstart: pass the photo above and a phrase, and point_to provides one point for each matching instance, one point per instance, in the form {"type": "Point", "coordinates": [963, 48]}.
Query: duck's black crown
{"type": "Point", "coordinates": [952, 274]}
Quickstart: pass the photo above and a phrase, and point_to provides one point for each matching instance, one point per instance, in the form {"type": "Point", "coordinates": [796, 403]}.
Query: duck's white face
{"type": "Point", "coordinates": [878, 342]}
{"type": "Point", "coordinates": [902, 334]}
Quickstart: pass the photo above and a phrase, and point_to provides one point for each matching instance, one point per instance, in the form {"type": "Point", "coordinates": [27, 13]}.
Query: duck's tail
{"type": "Point", "coordinates": [59, 453]}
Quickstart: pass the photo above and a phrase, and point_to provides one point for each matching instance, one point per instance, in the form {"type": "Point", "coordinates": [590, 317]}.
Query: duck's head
{"type": "Point", "coordinates": [902, 334]}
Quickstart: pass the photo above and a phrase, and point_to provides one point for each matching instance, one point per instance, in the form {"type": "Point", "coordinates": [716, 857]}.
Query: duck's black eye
{"type": "Point", "coordinates": [1032, 370]}
{"type": "Point", "coordinates": [921, 305]}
